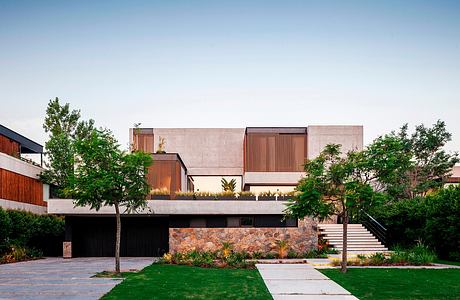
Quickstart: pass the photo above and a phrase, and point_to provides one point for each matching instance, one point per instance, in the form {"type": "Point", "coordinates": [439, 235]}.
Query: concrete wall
{"type": "Point", "coordinates": [272, 178]}
{"type": "Point", "coordinates": [16, 165]}
{"type": "Point", "coordinates": [178, 207]}
{"type": "Point", "coordinates": [350, 137]}
{"type": "Point", "coordinates": [205, 151]}
{"type": "Point", "coordinates": [9, 204]}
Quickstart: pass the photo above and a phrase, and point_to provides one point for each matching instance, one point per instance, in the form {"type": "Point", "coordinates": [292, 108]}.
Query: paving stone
{"type": "Point", "coordinates": [300, 281]}
{"type": "Point", "coordinates": [57, 278]}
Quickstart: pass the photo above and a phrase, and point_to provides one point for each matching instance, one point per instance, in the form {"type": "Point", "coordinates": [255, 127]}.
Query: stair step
{"type": "Point", "coordinates": [361, 247]}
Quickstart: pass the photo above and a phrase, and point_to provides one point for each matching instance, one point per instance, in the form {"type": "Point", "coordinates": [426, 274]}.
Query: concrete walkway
{"type": "Point", "coordinates": [300, 282]}
{"type": "Point", "coordinates": [57, 278]}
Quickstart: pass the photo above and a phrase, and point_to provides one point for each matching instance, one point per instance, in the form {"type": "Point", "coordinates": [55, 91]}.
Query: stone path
{"type": "Point", "coordinates": [57, 278]}
{"type": "Point", "coordinates": [300, 282]}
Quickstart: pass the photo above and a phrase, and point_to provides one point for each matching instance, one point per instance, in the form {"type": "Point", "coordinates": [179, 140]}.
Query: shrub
{"type": "Point", "coordinates": [43, 233]}
{"type": "Point", "coordinates": [420, 255]}
{"type": "Point", "coordinates": [376, 259]}
{"type": "Point", "coordinates": [433, 218]}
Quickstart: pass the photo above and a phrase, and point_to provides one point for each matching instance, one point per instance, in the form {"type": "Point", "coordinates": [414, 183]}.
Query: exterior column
{"type": "Point", "coordinates": [67, 244]}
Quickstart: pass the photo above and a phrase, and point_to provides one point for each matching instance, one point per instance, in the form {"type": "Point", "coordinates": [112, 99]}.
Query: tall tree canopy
{"type": "Point", "coordinates": [421, 164]}
{"type": "Point", "coordinates": [106, 176]}
{"type": "Point", "coordinates": [64, 126]}
{"type": "Point", "coordinates": [333, 185]}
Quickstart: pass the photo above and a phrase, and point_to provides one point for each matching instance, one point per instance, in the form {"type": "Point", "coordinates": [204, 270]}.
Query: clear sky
{"type": "Point", "coordinates": [232, 63]}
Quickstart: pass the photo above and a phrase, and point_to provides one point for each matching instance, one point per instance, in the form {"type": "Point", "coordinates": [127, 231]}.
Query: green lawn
{"type": "Point", "coordinates": [183, 282]}
{"type": "Point", "coordinates": [399, 283]}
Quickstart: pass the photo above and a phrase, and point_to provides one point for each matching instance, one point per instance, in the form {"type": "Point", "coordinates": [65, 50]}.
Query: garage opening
{"type": "Point", "coordinates": [140, 236]}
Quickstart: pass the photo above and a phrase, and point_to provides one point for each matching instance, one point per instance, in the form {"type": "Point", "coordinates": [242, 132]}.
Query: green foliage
{"type": "Point", "coordinates": [107, 176]}
{"type": "Point", "coordinates": [433, 219]}
{"type": "Point", "coordinates": [228, 185]}
{"type": "Point", "coordinates": [35, 233]}
{"type": "Point", "coordinates": [407, 166]}
{"type": "Point", "coordinates": [64, 126]}
{"type": "Point", "coordinates": [334, 185]}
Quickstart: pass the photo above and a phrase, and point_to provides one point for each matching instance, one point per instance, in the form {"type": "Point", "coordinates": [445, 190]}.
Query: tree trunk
{"type": "Point", "coordinates": [117, 239]}
{"type": "Point", "coordinates": [344, 242]}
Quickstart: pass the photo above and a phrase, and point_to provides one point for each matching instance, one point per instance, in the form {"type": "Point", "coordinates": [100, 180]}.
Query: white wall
{"type": "Point", "coordinates": [350, 137]}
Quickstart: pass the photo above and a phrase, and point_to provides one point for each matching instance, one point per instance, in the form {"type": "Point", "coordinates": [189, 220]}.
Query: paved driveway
{"type": "Point", "coordinates": [57, 278]}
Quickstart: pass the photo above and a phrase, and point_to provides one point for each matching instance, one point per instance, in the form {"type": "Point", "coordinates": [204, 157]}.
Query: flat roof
{"type": "Point", "coordinates": [27, 145]}
{"type": "Point", "coordinates": [276, 130]}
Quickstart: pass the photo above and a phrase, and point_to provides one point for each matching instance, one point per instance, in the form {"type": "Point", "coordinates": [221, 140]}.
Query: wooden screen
{"type": "Point", "coordinates": [8, 146]}
{"type": "Point", "coordinates": [20, 188]}
{"type": "Point", "coordinates": [143, 142]}
{"type": "Point", "coordinates": [165, 174]}
{"type": "Point", "coordinates": [275, 152]}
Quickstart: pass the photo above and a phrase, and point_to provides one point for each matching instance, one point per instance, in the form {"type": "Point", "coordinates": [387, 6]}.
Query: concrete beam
{"type": "Point", "coordinates": [178, 207]}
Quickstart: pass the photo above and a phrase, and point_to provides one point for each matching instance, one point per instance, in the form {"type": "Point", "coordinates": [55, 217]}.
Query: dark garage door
{"type": "Point", "coordinates": [140, 236]}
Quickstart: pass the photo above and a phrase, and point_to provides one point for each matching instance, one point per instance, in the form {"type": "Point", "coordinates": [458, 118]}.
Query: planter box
{"type": "Point", "coordinates": [247, 198]}
{"type": "Point", "coordinates": [184, 197]}
{"type": "Point", "coordinates": [227, 198]}
{"type": "Point", "coordinates": [267, 198]}
{"type": "Point", "coordinates": [160, 197]}
{"type": "Point", "coordinates": [205, 198]}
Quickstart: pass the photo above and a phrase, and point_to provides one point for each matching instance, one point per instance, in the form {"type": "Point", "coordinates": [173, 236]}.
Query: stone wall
{"type": "Point", "coordinates": [301, 238]}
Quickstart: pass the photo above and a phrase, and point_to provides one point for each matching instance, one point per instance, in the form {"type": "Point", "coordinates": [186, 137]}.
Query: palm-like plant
{"type": "Point", "coordinates": [228, 186]}
{"type": "Point", "coordinates": [283, 248]}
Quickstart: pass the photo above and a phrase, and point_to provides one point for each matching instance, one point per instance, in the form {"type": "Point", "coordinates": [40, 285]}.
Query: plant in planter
{"type": "Point", "coordinates": [227, 195]}
{"type": "Point", "coordinates": [286, 196]}
{"type": "Point", "coordinates": [228, 185]}
{"type": "Point", "coordinates": [283, 248]}
{"type": "Point", "coordinates": [246, 195]}
{"type": "Point", "coordinates": [205, 196]}
{"type": "Point", "coordinates": [160, 194]}
{"type": "Point", "coordinates": [185, 195]}
{"type": "Point", "coordinates": [267, 196]}
{"type": "Point", "coordinates": [161, 145]}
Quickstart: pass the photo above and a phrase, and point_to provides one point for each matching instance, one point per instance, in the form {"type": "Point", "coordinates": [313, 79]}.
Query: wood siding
{"type": "Point", "coordinates": [165, 174]}
{"type": "Point", "coordinates": [143, 142]}
{"type": "Point", "coordinates": [273, 152]}
{"type": "Point", "coordinates": [20, 188]}
{"type": "Point", "coordinates": [9, 147]}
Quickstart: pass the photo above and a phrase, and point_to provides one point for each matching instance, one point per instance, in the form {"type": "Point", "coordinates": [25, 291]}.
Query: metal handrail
{"type": "Point", "coordinates": [377, 229]}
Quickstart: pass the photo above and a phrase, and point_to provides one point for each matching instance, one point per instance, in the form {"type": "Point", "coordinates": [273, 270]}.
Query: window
{"type": "Point", "coordinates": [246, 222]}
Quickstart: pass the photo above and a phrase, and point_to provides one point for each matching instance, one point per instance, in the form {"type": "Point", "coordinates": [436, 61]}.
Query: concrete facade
{"type": "Point", "coordinates": [178, 207]}
{"type": "Point", "coordinates": [350, 137]}
{"type": "Point", "coordinates": [272, 178]}
{"type": "Point", "coordinates": [36, 209]}
{"type": "Point", "coordinates": [205, 151]}
{"type": "Point", "coordinates": [16, 165]}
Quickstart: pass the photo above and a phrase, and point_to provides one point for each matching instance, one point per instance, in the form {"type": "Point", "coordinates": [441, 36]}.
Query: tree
{"type": "Point", "coordinates": [333, 185]}
{"type": "Point", "coordinates": [64, 126]}
{"type": "Point", "coordinates": [408, 166]}
{"type": "Point", "coordinates": [106, 176]}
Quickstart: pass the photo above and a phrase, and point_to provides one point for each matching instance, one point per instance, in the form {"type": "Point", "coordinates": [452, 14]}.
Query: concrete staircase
{"type": "Point", "coordinates": [360, 240]}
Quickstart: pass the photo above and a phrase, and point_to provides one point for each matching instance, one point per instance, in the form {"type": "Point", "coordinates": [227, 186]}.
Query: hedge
{"type": "Point", "coordinates": [25, 229]}
{"type": "Point", "coordinates": [433, 220]}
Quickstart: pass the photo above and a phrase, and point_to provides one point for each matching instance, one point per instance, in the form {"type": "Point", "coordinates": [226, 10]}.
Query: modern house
{"type": "Point", "coordinates": [190, 163]}
{"type": "Point", "coordinates": [20, 187]}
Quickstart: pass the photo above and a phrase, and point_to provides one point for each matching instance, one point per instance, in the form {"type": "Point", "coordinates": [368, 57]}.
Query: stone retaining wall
{"type": "Point", "coordinates": [301, 238]}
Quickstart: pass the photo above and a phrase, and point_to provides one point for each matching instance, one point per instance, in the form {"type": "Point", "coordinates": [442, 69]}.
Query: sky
{"type": "Point", "coordinates": [379, 64]}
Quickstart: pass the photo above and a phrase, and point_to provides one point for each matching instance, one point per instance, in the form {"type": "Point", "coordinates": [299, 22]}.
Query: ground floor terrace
{"type": "Point", "coordinates": [181, 226]}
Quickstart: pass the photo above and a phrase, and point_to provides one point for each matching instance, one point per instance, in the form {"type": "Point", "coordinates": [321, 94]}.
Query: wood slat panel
{"type": "Point", "coordinates": [20, 188]}
{"type": "Point", "coordinates": [143, 142]}
{"type": "Point", "coordinates": [165, 174]}
{"type": "Point", "coordinates": [275, 152]}
{"type": "Point", "coordinates": [8, 146]}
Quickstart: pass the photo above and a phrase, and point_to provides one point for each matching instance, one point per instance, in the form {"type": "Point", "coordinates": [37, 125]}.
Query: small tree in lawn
{"type": "Point", "coordinates": [106, 176]}
{"type": "Point", "coordinates": [332, 186]}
